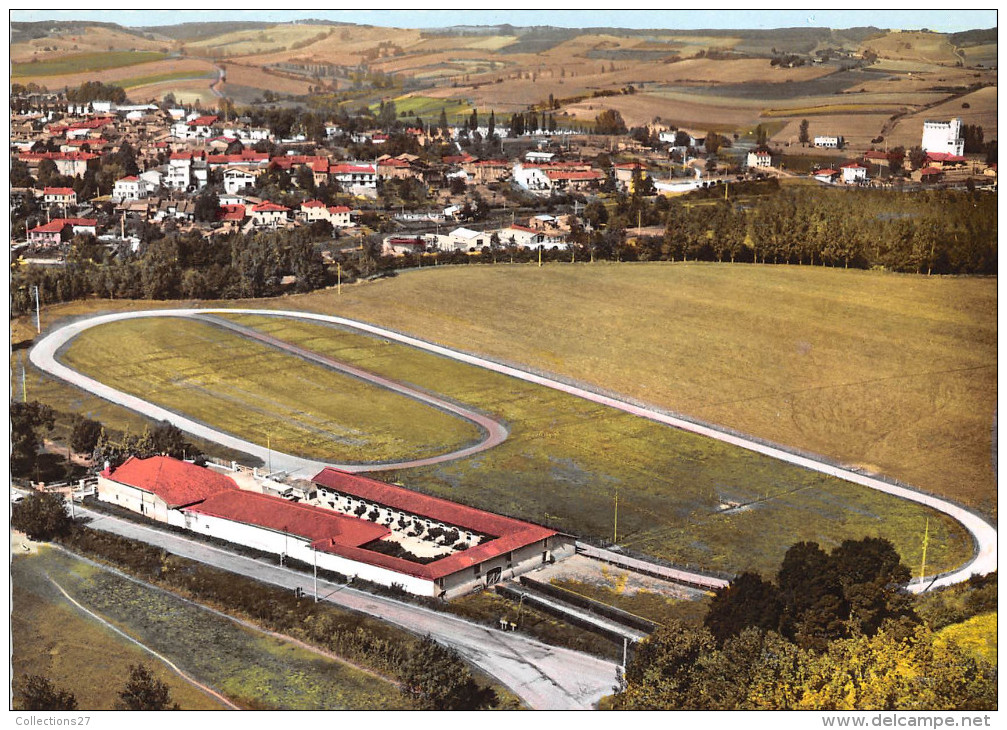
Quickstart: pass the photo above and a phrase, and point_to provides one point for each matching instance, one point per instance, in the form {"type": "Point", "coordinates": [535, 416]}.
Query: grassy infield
{"type": "Point", "coordinates": [566, 458]}
{"type": "Point", "coordinates": [251, 668]}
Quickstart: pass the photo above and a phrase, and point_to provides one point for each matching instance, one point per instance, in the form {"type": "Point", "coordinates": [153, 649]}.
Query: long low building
{"type": "Point", "coordinates": [359, 527]}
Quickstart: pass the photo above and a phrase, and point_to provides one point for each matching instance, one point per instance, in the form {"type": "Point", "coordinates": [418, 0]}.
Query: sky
{"type": "Point", "coordinates": [938, 20]}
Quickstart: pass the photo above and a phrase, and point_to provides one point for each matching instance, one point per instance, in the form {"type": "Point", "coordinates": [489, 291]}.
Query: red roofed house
{"type": "Point", "coordinates": [50, 234]}
{"type": "Point", "coordinates": [624, 173]}
{"type": "Point", "coordinates": [854, 173]}
{"type": "Point", "coordinates": [159, 487]}
{"type": "Point", "coordinates": [828, 175]}
{"type": "Point", "coordinates": [59, 196]}
{"type": "Point", "coordinates": [269, 214]}
{"type": "Point", "coordinates": [574, 179]}
{"type": "Point", "coordinates": [232, 214]}
{"type": "Point", "coordinates": [929, 174]}
{"type": "Point", "coordinates": [942, 160]}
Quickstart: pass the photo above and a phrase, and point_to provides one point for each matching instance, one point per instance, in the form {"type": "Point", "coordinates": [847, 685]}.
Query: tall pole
{"type": "Point", "coordinates": [615, 528]}
{"type": "Point", "coordinates": [339, 278]}
{"type": "Point", "coordinates": [926, 541]}
{"type": "Point", "coordinates": [540, 256]}
{"type": "Point", "coordinates": [38, 317]}
{"type": "Point", "coordinates": [24, 386]}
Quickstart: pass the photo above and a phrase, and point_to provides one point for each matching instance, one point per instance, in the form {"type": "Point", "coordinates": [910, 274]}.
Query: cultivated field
{"type": "Point", "coordinates": [74, 76]}
{"type": "Point", "coordinates": [83, 62]}
{"type": "Point", "coordinates": [250, 667]}
{"type": "Point", "coordinates": [53, 638]}
{"type": "Point", "coordinates": [255, 392]}
{"type": "Point", "coordinates": [92, 39]}
{"type": "Point", "coordinates": [238, 74]}
{"type": "Point", "coordinates": [566, 459]}
{"type": "Point", "coordinates": [891, 372]}
{"type": "Point", "coordinates": [196, 91]}
{"type": "Point", "coordinates": [981, 110]}
{"type": "Point", "coordinates": [918, 47]}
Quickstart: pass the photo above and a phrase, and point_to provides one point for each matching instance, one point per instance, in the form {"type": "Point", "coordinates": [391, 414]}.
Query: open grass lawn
{"type": "Point", "coordinates": [895, 373]}
{"type": "Point", "coordinates": [254, 391]}
{"type": "Point", "coordinates": [250, 667]}
{"type": "Point", "coordinates": [977, 635]}
{"type": "Point", "coordinates": [81, 62]}
{"type": "Point", "coordinates": [566, 458]}
{"type": "Point", "coordinates": [51, 637]}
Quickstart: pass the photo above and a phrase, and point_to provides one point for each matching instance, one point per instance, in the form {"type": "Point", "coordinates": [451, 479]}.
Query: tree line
{"type": "Point", "coordinates": [832, 632]}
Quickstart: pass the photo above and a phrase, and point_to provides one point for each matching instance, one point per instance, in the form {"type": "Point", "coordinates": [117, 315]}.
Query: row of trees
{"type": "Point", "coordinates": [833, 632]}
{"type": "Point", "coordinates": [183, 265]}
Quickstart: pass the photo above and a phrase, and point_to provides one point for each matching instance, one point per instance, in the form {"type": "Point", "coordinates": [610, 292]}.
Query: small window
{"type": "Point", "coordinates": [477, 570]}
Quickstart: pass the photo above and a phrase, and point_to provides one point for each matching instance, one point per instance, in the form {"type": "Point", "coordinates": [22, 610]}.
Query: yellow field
{"type": "Point", "coordinates": [242, 75]}
{"type": "Point", "coordinates": [919, 47]}
{"type": "Point", "coordinates": [196, 91]}
{"type": "Point", "coordinates": [266, 40]}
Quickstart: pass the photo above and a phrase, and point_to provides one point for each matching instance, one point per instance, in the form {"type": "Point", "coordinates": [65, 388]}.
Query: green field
{"type": "Point", "coordinates": [977, 635]}
{"type": "Point", "coordinates": [566, 458]}
{"type": "Point", "coordinates": [81, 62]}
{"type": "Point", "coordinates": [429, 108]}
{"type": "Point", "coordinates": [894, 373]}
{"type": "Point", "coordinates": [137, 81]}
{"type": "Point", "coordinates": [256, 392]}
{"type": "Point", "coordinates": [250, 667]}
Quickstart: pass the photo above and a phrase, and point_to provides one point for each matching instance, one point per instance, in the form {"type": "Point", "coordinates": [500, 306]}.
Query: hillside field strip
{"type": "Point", "coordinates": [124, 74]}
{"type": "Point", "coordinates": [252, 668]}
{"type": "Point", "coordinates": [83, 62]}
{"type": "Point", "coordinates": [890, 372]}
{"type": "Point", "coordinates": [566, 458]}
{"type": "Point", "coordinates": [256, 392]}
{"type": "Point", "coordinates": [977, 635]}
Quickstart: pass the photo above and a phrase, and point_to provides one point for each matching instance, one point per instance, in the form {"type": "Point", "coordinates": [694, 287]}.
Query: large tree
{"type": "Point", "coordinates": [37, 693]}
{"type": "Point", "coordinates": [41, 516]}
{"type": "Point", "coordinates": [145, 692]}
{"type": "Point", "coordinates": [26, 423]}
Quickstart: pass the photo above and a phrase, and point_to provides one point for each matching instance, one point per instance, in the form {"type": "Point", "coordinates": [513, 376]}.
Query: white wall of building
{"type": "Point", "coordinates": [943, 137]}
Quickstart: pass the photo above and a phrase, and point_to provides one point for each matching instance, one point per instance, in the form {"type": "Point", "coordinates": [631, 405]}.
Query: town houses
{"type": "Point", "coordinates": [407, 189]}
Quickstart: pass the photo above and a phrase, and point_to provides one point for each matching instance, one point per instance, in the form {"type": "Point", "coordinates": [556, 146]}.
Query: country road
{"type": "Point", "coordinates": [43, 356]}
{"type": "Point", "coordinates": [545, 677]}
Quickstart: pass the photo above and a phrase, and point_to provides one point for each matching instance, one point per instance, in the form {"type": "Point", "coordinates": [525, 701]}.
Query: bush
{"type": "Point", "coordinates": [41, 516]}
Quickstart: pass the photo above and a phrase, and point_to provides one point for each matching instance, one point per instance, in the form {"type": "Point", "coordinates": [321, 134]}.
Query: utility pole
{"type": "Point", "coordinates": [540, 257]}
{"type": "Point", "coordinates": [926, 541]}
{"type": "Point", "coordinates": [38, 317]}
{"type": "Point", "coordinates": [24, 386]}
{"type": "Point", "coordinates": [314, 554]}
{"type": "Point", "coordinates": [615, 528]}
{"type": "Point", "coordinates": [339, 278]}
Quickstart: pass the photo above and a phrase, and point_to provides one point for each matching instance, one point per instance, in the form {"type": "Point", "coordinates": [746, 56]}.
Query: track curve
{"type": "Point", "coordinates": [42, 355]}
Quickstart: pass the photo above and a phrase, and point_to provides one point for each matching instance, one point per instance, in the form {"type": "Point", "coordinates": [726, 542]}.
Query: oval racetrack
{"type": "Point", "coordinates": [43, 356]}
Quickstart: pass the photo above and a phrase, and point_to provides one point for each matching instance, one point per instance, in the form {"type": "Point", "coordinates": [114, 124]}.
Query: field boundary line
{"type": "Point", "coordinates": [208, 690]}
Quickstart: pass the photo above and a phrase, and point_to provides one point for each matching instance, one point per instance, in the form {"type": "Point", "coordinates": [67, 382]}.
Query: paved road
{"type": "Point", "coordinates": [545, 677]}
{"type": "Point", "coordinates": [42, 356]}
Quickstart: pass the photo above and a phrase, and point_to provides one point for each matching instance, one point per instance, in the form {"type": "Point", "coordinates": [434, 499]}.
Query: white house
{"type": "Point", "coordinates": [359, 178]}
{"type": "Point", "coordinates": [827, 175]}
{"type": "Point", "coordinates": [534, 156]}
{"type": "Point", "coordinates": [525, 237]}
{"type": "Point", "coordinates": [533, 179]}
{"type": "Point", "coordinates": [59, 196]}
{"type": "Point", "coordinates": [854, 173]}
{"type": "Point", "coordinates": [269, 214]}
{"type": "Point", "coordinates": [760, 157]}
{"type": "Point", "coordinates": [831, 143]}
{"type": "Point", "coordinates": [237, 180]}
{"type": "Point", "coordinates": [129, 188]}
{"type": "Point", "coordinates": [465, 239]}
{"type": "Point", "coordinates": [943, 137]}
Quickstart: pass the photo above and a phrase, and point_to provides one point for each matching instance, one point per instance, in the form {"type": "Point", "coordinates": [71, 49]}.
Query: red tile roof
{"type": "Point", "coordinates": [128, 178]}
{"type": "Point", "coordinates": [944, 157]}
{"type": "Point", "coordinates": [57, 191]}
{"type": "Point", "coordinates": [875, 155]}
{"type": "Point", "coordinates": [350, 169]}
{"type": "Point", "coordinates": [178, 483]}
{"type": "Point", "coordinates": [268, 207]}
{"type": "Point", "coordinates": [509, 533]}
{"type": "Point", "coordinates": [205, 121]}
{"type": "Point", "coordinates": [231, 213]}
{"type": "Point", "coordinates": [853, 166]}
{"type": "Point", "coordinates": [52, 227]}
{"type": "Point", "coordinates": [317, 525]}
{"type": "Point", "coordinates": [931, 171]}
{"type": "Point", "coordinates": [827, 171]}
{"type": "Point", "coordinates": [338, 209]}
{"type": "Point", "coordinates": [312, 204]}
